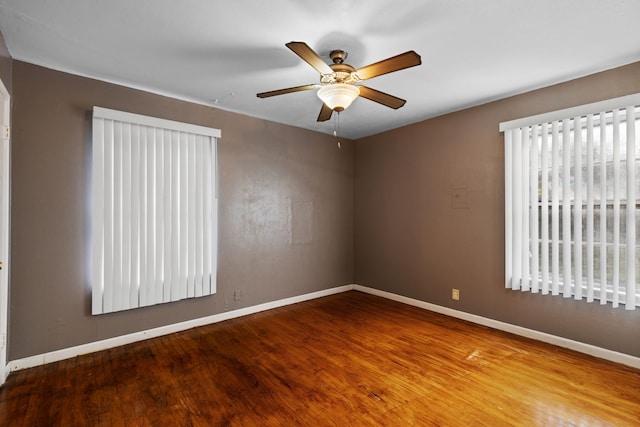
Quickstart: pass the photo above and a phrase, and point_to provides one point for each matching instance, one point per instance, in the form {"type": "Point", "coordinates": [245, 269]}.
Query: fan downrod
{"type": "Point", "coordinates": [338, 56]}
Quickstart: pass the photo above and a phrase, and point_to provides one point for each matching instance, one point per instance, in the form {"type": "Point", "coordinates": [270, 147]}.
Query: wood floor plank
{"type": "Point", "coordinates": [347, 359]}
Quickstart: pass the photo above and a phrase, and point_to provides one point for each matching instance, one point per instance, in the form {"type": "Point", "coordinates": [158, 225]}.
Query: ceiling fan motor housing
{"type": "Point", "coordinates": [342, 73]}
{"type": "Point", "coordinates": [338, 56]}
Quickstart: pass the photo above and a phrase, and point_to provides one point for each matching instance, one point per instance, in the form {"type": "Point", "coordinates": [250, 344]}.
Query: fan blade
{"type": "Point", "coordinates": [381, 97]}
{"type": "Point", "coordinates": [325, 113]}
{"type": "Point", "coordinates": [287, 90]}
{"type": "Point", "coordinates": [309, 56]}
{"type": "Point", "coordinates": [396, 63]}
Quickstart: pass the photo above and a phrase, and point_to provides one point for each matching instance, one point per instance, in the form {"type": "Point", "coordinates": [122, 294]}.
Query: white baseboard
{"type": "Point", "coordinates": [581, 347]}
{"type": "Point", "coordinates": [55, 356]}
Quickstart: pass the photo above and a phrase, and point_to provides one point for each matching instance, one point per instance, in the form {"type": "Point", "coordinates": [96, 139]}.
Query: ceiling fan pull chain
{"type": "Point", "coordinates": [336, 127]}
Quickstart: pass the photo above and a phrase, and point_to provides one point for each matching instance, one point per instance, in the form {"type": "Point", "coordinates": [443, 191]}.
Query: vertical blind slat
{"type": "Point", "coordinates": [135, 216]}
{"type": "Point", "coordinates": [143, 171]}
{"type": "Point", "coordinates": [117, 216]}
{"type": "Point", "coordinates": [577, 207]}
{"type": "Point", "coordinates": [199, 216]}
{"type": "Point", "coordinates": [544, 207]}
{"type": "Point", "coordinates": [98, 224]}
{"type": "Point", "coordinates": [109, 200]}
{"type": "Point", "coordinates": [175, 216]}
{"type": "Point", "coordinates": [192, 215]}
{"type": "Point", "coordinates": [168, 219]}
{"type": "Point", "coordinates": [509, 208]}
{"type": "Point", "coordinates": [126, 215]}
{"type": "Point", "coordinates": [590, 228]}
{"type": "Point", "coordinates": [533, 203]}
{"type": "Point", "coordinates": [152, 157]}
{"type": "Point", "coordinates": [555, 209]}
{"type": "Point", "coordinates": [603, 208]}
{"type": "Point", "coordinates": [616, 208]}
{"type": "Point", "coordinates": [517, 211]}
{"type": "Point", "coordinates": [526, 250]}
{"type": "Point", "coordinates": [207, 197]}
{"type": "Point", "coordinates": [108, 216]}
{"type": "Point", "coordinates": [566, 208]}
{"type": "Point", "coordinates": [630, 302]}
{"type": "Point", "coordinates": [159, 229]}
{"type": "Point", "coordinates": [184, 224]}
{"type": "Point", "coordinates": [212, 215]}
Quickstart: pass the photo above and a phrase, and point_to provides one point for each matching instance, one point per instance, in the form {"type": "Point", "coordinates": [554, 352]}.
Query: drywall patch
{"type": "Point", "coordinates": [300, 222]}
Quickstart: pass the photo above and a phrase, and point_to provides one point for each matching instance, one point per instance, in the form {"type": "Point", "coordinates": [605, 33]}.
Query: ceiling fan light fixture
{"type": "Point", "coordinates": [338, 96]}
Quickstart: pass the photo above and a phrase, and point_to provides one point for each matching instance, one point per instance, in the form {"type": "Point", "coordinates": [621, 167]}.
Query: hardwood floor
{"type": "Point", "coordinates": [348, 359]}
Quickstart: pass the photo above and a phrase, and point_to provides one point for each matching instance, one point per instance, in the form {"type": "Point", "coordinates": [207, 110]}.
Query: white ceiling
{"type": "Point", "coordinates": [222, 53]}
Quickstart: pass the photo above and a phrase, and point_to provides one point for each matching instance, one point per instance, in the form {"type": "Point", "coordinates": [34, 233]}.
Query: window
{"type": "Point", "coordinates": [572, 197]}
{"type": "Point", "coordinates": [154, 211]}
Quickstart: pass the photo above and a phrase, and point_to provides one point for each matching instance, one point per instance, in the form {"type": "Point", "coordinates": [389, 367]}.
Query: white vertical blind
{"type": "Point", "coordinates": [154, 211]}
{"type": "Point", "coordinates": [571, 202]}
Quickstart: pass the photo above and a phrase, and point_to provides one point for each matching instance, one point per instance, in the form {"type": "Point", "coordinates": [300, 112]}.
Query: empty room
{"type": "Point", "coordinates": [340, 213]}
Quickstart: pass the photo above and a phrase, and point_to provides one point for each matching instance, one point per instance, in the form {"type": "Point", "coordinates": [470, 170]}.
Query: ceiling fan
{"type": "Point", "coordinates": [338, 81]}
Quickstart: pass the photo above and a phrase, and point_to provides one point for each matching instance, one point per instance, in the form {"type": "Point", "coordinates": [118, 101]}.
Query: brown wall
{"type": "Point", "coordinates": [264, 169]}
{"type": "Point", "coordinates": [414, 239]}
{"type": "Point", "coordinates": [5, 65]}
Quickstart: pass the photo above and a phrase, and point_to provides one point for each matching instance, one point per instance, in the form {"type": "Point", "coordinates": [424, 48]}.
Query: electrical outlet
{"type": "Point", "coordinates": [455, 294]}
{"type": "Point", "coordinates": [237, 294]}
